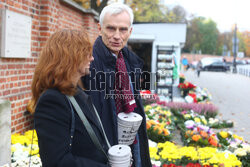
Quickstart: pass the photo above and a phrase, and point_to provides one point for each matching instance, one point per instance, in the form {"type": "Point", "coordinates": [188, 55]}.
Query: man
{"type": "Point", "coordinates": [111, 57]}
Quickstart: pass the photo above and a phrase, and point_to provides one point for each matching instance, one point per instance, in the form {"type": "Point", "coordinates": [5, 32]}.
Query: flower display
{"type": "Point", "coordinates": [181, 78]}
{"type": "Point", "coordinates": [196, 122]}
{"type": "Point", "coordinates": [157, 131]}
{"type": "Point", "coordinates": [208, 110]}
{"type": "Point", "coordinates": [25, 150]}
{"type": "Point", "coordinates": [174, 155]}
{"type": "Point", "coordinates": [186, 87]}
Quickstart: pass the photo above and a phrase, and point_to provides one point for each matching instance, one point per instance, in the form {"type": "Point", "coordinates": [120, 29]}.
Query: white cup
{"type": "Point", "coordinates": [128, 125]}
{"type": "Point", "coordinates": [120, 156]}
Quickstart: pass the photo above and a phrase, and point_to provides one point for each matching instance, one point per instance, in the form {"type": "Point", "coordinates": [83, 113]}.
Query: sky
{"type": "Point", "coordinates": [225, 13]}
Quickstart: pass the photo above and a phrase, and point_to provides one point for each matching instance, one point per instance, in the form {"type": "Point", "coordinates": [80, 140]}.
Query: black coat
{"type": "Point", "coordinates": [100, 85]}
{"type": "Point", "coordinates": [53, 123]}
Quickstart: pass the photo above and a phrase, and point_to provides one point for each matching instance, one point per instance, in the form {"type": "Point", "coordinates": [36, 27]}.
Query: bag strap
{"type": "Point", "coordinates": [97, 115]}
{"type": "Point", "coordinates": [86, 124]}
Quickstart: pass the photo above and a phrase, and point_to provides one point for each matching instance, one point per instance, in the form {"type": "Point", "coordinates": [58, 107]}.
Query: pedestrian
{"type": "Point", "coordinates": [109, 91]}
{"type": "Point", "coordinates": [62, 137]}
{"type": "Point", "coordinates": [198, 68]}
{"type": "Point", "coordinates": [184, 63]}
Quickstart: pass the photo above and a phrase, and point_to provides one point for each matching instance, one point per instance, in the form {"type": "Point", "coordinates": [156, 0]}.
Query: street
{"type": "Point", "coordinates": [230, 93]}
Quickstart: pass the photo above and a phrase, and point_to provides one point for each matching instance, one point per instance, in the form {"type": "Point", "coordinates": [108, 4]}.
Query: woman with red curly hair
{"type": "Point", "coordinates": [62, 137]}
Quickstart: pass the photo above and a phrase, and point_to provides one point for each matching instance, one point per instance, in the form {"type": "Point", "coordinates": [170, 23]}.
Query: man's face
{"type": "Point", "coordinates": [115, 31]}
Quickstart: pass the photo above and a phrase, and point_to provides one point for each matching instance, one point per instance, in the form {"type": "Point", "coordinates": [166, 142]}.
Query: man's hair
{"type": "Point", "coordinates": [116, 8]}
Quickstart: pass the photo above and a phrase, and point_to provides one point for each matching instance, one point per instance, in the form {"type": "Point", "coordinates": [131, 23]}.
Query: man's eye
{"type": "Point", "coordinates": [123, 29]}
{"type": "Point", "coordinates": [111, 28]}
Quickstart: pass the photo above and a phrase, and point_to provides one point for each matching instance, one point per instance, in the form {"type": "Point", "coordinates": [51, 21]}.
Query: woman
{"type": "Point", "coordinates": [64, 59]}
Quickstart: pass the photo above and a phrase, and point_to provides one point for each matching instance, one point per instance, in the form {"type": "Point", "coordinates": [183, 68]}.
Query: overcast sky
{"type": "Point", "coordinates": [224, 12]}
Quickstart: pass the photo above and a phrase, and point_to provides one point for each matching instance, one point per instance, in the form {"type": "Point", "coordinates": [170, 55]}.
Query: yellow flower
{"type": "Point", "coordinates": [224, 134]}
{"type": "Point", "coordinates": [168, 113]}
{"type": "Point", "coordinates": [238, 137]}
{"type": "Point", "coordinates": [204, 121]}
{"type": "Point", "coordinates": [197, 120]}
{"type": "Point", "coordinates": [187, 116]}
{"type": "Point", "coordinates": [148, 107]}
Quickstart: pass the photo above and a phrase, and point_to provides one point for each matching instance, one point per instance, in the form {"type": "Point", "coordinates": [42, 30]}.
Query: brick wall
{"type": "Point", "coordinates": [16, 73]}
{"type": "Point", "coordinates": [196, 57]}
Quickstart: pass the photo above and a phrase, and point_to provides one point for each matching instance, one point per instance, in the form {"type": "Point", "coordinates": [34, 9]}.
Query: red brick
{"type": "Point", "coordinates": [19, 127]}
{"type": "Point", "coordinates": [6, 92]}
{"type": "Point", "coordinates": [3, 67]}
{"type": "Point", "coordinates": [2, 80]}
{"type": "Point", "coordinates": [44, 28]}
{"type": "Point", "coordinates": [14, 91]}
{"type": "Point", "coordinates": [19, 115]}
{"type": "Point", "coordinates": [15, 78]}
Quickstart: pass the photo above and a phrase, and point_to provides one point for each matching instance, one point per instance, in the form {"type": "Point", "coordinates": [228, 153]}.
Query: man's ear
{"type": "Point", "coordinates": [130, 31]}
{"type": "Point", "coordinates": [100, 29]}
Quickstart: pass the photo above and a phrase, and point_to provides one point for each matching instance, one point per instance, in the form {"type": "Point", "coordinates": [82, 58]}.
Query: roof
{"type": "Point", "coordinates": [159, 32]}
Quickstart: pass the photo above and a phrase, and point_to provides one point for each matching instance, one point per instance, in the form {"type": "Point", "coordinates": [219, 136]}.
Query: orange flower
{"type": "Point", "coordinates": [189, 133]}
{"type": "Point", "coordinates": [196, 137]}
{"type": "Point", "coordinates": [148, 125]}
{"type": "Point", "coordinates": [212, 141]}
{"type": "Point", "coordinates": [165, 131]}
{"type": "Point", "coordinates": [152, 122]}
{"type": "Point", "coordinates": [159, 131]}
{"type": "Point", "coordinates": [204, 134]}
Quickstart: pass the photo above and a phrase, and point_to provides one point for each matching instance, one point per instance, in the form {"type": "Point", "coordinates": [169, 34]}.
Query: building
{"type": "Point", "coordinates": [154, 41]}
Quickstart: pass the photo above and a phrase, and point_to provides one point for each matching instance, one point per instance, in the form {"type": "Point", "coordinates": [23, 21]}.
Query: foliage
{"type": "Point", "coordinates": [202, 35]}
{"type": "Point", "coordinates": [97, 5]}
{"type": "Point", "coordinates": [209, 33]}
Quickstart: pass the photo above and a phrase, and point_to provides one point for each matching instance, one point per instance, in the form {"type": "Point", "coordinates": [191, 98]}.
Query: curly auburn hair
{"type": "Point", "coordinates": [59, 60]}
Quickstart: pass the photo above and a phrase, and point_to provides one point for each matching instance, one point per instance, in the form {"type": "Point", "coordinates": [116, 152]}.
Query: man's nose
{"type": "Point", "coordinates": [117, 34]}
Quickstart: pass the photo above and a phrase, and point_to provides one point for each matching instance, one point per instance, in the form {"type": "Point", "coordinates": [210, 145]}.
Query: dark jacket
{"type": "Point", "coordinates": [53, 123]}
{"type": "Point", "coordinates": [100, 84]}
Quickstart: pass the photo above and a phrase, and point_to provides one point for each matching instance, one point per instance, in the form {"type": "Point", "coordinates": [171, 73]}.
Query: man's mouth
{"type": "Point", "coordinates": [115, 44]}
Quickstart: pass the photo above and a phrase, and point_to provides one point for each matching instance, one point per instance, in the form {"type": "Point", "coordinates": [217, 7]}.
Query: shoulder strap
{"type": "Point", "coordinates": [86, 124]}
{"type": "Point", "coordinates": [101, 127]}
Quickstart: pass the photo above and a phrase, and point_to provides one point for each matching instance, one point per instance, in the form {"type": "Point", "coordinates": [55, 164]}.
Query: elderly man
{"type": "Point", "coordinates": [110, 57]}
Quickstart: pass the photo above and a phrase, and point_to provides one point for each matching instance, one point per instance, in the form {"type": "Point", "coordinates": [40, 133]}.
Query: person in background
{"type": "Point", "coordinates": [111, 57]}
{"type": "Point", "coordinates": [185, 64]}
{"type": "Point", "coordinates": [62, 137]}
{"type": "Point", "coordinates": [198, 68]}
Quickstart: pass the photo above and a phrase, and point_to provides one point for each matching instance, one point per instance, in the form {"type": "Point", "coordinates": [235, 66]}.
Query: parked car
{"type": "Point", "coordinates": [216, 66]}
{"type": "Point", "coordinates": [209, 60]}
{"type": "Point", "coordinates": [241, 62]}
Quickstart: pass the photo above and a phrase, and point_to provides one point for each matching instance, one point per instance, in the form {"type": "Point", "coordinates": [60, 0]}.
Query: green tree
{"type": "Point", "coordinates": [209, 32]}
{"type": "Point", "coordinates": [202, 36]}
{"type": "Point", "coordinates": [193, 36]}
{"type": "Point", "coordinates": [147, 10]}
